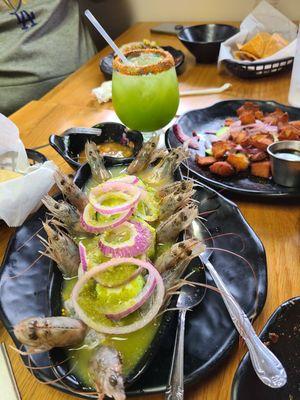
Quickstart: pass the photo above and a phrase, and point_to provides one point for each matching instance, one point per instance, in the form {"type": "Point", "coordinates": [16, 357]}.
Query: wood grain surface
{"type": "Point", "coordinates": [276, 223]}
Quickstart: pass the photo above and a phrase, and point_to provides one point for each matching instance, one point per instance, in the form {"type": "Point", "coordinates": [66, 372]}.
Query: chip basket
{"type": "Point", "coordinates": [248, 71]}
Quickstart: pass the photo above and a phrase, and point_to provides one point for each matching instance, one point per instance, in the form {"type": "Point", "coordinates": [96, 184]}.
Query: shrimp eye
{"type": "Point", "coordinates": [113, 380]}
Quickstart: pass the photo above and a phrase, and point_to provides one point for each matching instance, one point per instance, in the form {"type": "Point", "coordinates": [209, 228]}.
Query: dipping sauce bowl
{"type": "Point", "coordinates": [285, 162]}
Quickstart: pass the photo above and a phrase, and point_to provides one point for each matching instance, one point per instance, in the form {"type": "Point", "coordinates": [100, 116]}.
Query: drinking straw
{"type": "Point", "coordinates": [205, 91]}
{"type": "Point", "coordinates": [105, 35]}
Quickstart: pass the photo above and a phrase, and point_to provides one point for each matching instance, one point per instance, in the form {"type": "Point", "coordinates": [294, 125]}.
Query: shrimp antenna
{"type": "Point", "coordinates": [24, 270]}
{"type": "Point", "coordinates": [249, 265]}
{"type": "Point", "coordinates": [28, 240]}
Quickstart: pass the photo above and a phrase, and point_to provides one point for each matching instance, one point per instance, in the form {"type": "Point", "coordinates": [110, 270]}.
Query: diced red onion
{"type": "Point", "coordinates": [145, 319]}
{"type": "Point", "coordinates": [182, 137]}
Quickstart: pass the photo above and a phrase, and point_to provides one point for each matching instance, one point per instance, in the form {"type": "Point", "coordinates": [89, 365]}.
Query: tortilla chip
{"type": "Point", "coordinates": [274, 44]}
{"type": "Point", "coordinates": [280, 39]}
{"type": "Point", "coordinates": [6, 175]}
{"type": "Point", "coordinates": [257, 44]}
{"type": "Point", "coordinates": [244, 55]}
{"type": "Point", "coordinates": [239, 45]}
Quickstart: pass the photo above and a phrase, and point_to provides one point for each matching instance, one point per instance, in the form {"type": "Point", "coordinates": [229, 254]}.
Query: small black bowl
{"type": "Point", "coordinates": [204, 41]}
{"type": "Point", "coordinates": [70, 144]}
{"type": "Point", "coordinates": [35, 157]}
{"type": "Point", "coordinates": [282, 334]}
{"type": "Point", "coordinates": [106, 68]}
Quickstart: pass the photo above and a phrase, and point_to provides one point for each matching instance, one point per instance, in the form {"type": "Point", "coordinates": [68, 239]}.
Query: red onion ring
{"type": "Point", "coordinates": [148, 317]}
{"type": "Point", "coordinates": [140, 244]}
{"type": "Point", "coordinates": [140, 300]}
{"type": "Point", "coordinates": [132, 179]}
{"type": "Point", "coordinates": [84, 220]}
{"type": "Point", "coordinates": [83, 256]}
{"type": "Point", "coordinates": [182, 137]}
{"type": "Point", "coordinates": [132, 192]}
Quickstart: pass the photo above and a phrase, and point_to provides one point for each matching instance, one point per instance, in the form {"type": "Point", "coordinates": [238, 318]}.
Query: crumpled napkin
{"type": "Point", "coordinates": [103, 93]}
{"type": "Point", "coordinates": [21, 196]}
{"type": "Point", "coordinates": [264, 18]}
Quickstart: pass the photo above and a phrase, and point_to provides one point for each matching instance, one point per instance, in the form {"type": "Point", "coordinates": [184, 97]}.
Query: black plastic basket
{"type": "Point", "coordinates": [248, 71]}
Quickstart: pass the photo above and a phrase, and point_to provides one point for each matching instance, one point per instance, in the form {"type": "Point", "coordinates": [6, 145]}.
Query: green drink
{"type": "Point", "coordinates": [145, 92]}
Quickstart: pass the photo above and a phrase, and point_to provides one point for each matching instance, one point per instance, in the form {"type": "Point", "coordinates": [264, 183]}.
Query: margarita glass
{"type": "Point", "coordinates": [145, 91]}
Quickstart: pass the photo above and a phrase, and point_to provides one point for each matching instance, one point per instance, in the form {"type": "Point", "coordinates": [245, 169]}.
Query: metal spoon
{"type": "Point", "coordinates": [266, 365]}
{"type": "Point", "coordinates": [87, 131]}
{"type": "Point", "coordinates": [189, 297]}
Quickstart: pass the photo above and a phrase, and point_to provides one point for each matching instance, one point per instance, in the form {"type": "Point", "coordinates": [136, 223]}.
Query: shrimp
{"type": "Point", "coordinates": [72, 192]}
{"type": "Point", "coordinates": [173, 262]}
{"type": "Point", "coordinates": [144, 156]}
{"type": "Point", "coordinates": [164, 170]}
{"type": "Point", "coordinates": [43, 334]}
{"type": "Point", "coordinates": [61, 249]}
{"type": "Point", "coordinates": [158, 154]}
{"type": "Point", "coordinates": [171, 203]}
{"type": "Point", "coordinates": [67, 214]}
{"type": "Point", "coordinates": [95, 160]}
{"type": "Point", "coordinates": [175, 188]}
{"type": "Point", "coordinates": [105, 369]}
{"type": "Point", "coordinates": [168, 230]}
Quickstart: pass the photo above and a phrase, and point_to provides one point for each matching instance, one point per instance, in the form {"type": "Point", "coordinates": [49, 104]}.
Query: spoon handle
{"type": "Point", "coordinates": [266, 365]}
{"type": "Point", "coordinates": [175, 388]}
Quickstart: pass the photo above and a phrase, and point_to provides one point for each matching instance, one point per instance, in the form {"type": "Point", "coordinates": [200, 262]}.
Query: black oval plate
{"type": "Point", "coordinates": [179, 57]}
{"type": "Point", "coordinates": [210, 334]}
{"type": "Point", "coordinates": [285, 322]}
{"type": "Point", "coordinates": [211, 119]}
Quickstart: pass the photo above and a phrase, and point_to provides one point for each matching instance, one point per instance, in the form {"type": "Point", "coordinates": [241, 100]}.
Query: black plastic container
{"type": "Point", "coordinates": [204, 41]}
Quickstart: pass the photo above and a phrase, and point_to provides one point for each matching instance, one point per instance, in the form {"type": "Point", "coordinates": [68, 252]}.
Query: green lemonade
{"type": "Point", "coordinates": [145, 102]}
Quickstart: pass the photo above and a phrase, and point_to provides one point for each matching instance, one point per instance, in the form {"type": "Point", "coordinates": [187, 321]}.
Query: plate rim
{"type": "Point", "coordinates": [195, 376]}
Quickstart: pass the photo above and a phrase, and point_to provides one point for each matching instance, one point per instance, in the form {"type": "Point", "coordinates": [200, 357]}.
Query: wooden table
{"type": "Point", "coordinates": [277, 223]}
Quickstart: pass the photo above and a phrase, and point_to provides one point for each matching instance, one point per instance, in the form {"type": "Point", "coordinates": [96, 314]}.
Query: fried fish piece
{"type": "Point", "coordinates": [289, 132]}
{"type": "Point", "coordinates": [261, 169]}
{"type": "Point", "coordinates": [247, 106]}
{"type": "Point", "coordinates": [204, 161]}
{"type": "Point", "coordinates": [220, 148]}
{"type": "Point", "coordinates": [261, 140]}
{"type": "Point", "coordinates": [239, 161]}
{"type": "Point", "coordinates": [222, 168]}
